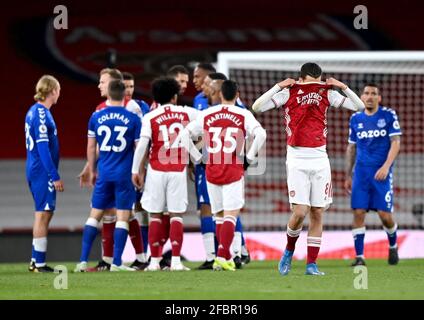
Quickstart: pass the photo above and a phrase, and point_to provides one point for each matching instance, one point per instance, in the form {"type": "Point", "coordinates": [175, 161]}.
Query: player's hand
{"type": "Point", "coordinates": [382, 173]}
{"type": "Point", "coordinates": [138, 180]}
{"type": "Point", "coordinates": [58, 185]}
{"type": "Point", "coordinates": [336, 83]}
{"type": "Point", "coordinates": [92, 179]}
{"type": "Point", "coordinates": [84, 177]}
{"type": "Point", "coordinates": [286, 83]}
{"type": "Point", "coordinates": [191, 171]}
{"type": "Point", "coordinates": [348, 185]}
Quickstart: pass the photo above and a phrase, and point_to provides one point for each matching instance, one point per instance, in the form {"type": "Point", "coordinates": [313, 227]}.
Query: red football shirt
{"type": "Point", "coordinates": [162, 126]}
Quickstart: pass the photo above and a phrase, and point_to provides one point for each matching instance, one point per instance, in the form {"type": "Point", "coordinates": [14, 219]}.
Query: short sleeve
{"type": "Point", "coordinates": [137, 130]}
{"type": "Point", "coordinates": [146, 128]}
{"type": "Point", "coordinates": [280, 98]}
{"type": "Point", "coordinates": [40, 126]}
{"type": "Point", "coordinates": [394, 126]}
{"type": "Point", "coordinates": [91, 127]}
{"type": "Point", "coordinates": [352, 133]}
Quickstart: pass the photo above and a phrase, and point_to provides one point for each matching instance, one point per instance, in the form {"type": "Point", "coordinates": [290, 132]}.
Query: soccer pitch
{"type": "Point", "coordinates": [257, 281]}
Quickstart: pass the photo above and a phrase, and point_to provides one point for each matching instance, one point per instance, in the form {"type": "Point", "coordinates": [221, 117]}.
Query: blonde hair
{"type": "Point", "coordinates": [45, 86]}
{"type": "Point", "coordinates": [115, 74]}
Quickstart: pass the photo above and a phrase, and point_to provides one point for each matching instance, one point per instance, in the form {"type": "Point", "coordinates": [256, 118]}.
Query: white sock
{"type": "Point", "coordinates": [236, 244]}
{"type": "Point", "coordinates": [209, 243]}
{"type": "Point", "coordinates": [155, 261]}
{"type": "Point", "coordinates": [175, 261]}
{"type": "Point", "coordinates": [141, 257]}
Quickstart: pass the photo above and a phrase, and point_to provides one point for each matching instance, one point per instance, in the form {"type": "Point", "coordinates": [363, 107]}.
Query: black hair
{"type": "Point", "coordinates": [127, 76]}
{"type": "Point", "coordinates": [116, 90]}
{"type": "Point", "coordinates": [310, 69]}
{"type": "Point", "coordinates": [164, 89]}
{"type": "Point", "coordinates": [371, 84]}
{"type": "Point", "coordinates": [175, 70]}
{"type": "Point", "coordinates": [229, 90]}
{"type": "Point", "coordinates": [207, 67]}
{"type": "Point", "coordinates": [217, 76]}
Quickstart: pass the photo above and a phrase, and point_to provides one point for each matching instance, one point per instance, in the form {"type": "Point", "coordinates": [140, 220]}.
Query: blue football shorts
{"type": "Point", "coordinates": [43, 193]}
{"type": "Point", "coordinates": [370, 194]}
{"type": "Point", "coordinates": [201, 186]}
{"type": "Point", "coordinates": [113, 194]}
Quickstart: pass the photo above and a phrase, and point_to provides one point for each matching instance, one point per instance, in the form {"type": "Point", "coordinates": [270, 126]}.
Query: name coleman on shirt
{"type": "Point", "coordinates": [310, 98]}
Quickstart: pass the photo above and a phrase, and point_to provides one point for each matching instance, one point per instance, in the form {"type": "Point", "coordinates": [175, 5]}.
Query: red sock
{"type": "Point", "coordinates": [226, 235]}
{"type": "Point", "coordinates": [135, 236]}
{"type": "Point", "coordinates": [176, 234]}
{"type": "Point", "coordinates": [292, 236]}
{"type": "Point", "coordinates": [291, 242]}
{"type": "Point", "coordinates": [155, 231]}
{"type": "Point", "coordinates": [218, 225]}
{"type": "Point", "coordinates": [107, 236]}
{"type": "Point", "coordinates": [314, 244]}
{"type": "Point", "coordinates": [165, 229]}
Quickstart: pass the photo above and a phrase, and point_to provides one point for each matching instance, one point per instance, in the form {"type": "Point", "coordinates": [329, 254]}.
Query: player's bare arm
{"type": "Point", "coordinates": [350, 161]}
{"type": "Point", "coordinates": [138, 167]}
{"type": "Point", "coordinates": [382, 173]}
{"type": "Point", "coordinates": [91, 160]}
{"type": "Point", "coordinates": [84, 175]}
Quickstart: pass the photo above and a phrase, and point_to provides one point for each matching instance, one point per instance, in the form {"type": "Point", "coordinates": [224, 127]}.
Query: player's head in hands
{"type": "Point", "coordinates": [371, 96]}
{"type": "Point", "coordinates": [229, 92]}
{"type": "Point", "coordinates": [106, 75]}
{"type": "Point", "coordinates": [116, 92]}
{"type": "Point", "coordinates": [47, 90]}
{"type": "Point", "coordinates": [310, 71]}
{"type": "Point", "coordinates": [165, 90]}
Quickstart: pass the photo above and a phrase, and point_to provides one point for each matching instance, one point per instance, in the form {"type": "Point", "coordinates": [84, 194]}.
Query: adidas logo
{"type": "Point", "coordinates": [300, 91]}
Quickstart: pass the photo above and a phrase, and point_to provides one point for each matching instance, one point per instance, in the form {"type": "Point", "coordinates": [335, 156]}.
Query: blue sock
{"type": "Point", "coordinates": [88, 236]}
{"type": "Point", "coordinates": [33, 253]}
{"type": "Point", "coordinates": [39, 251]}
{"type": "Point", "coordinates": [120, 239]}
{"type": "Point", "coordinates": [392, 235]}
{"type": "Point", "coordinates": [358, 237]}
{"type": "Point", "coordinates": [207, 225]}
{"type": "Point", "coordinates": [239, 228]}
{"type": "Point", "coordinates": [145, 237]}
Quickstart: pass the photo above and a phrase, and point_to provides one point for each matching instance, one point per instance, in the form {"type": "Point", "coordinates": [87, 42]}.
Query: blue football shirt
{"type": "Point", "coordinates": [371, 134]}
{"type": "Point", "coordinates": [115, 129]}
{"type": "Point", "coordinates": [42, 143]}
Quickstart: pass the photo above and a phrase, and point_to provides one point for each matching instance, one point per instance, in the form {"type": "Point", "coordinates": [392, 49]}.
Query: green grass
{"type": "Point", "coordinates": [258, 280]}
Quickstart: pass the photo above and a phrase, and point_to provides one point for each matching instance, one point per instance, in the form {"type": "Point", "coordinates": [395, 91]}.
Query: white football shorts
{"type": "Point", "coordinates": [226, 197]}
{"type": "Point", "coordinates": [165, 190]}
{"type": "Point", "coordinates": [309, 182]}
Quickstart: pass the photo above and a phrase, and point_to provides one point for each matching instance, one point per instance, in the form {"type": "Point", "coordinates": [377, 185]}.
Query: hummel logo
{"type": "Point", "coordinates": [300, 91]}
